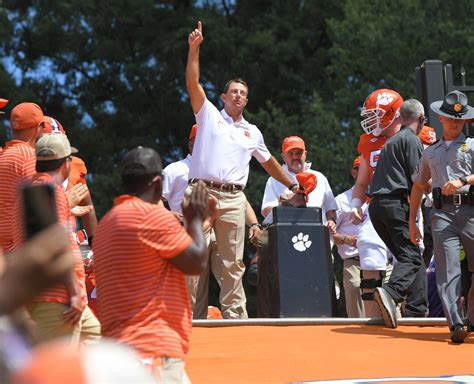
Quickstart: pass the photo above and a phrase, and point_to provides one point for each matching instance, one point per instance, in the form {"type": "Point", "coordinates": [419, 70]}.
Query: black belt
{"type": "Point", "coordinates": [457, 199]}
{"type": "Point", "coordinates": [220, 186]}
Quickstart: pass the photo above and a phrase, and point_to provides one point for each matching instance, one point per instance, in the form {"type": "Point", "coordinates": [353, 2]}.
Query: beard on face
{"type": "Point", "coordinates": [297, 165]}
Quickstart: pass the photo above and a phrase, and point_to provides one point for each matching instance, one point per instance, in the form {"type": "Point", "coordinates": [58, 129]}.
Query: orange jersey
{"type": "Point", "coordinates": [78, 172]}
{"type": "Point", "coordinates": [142, 299]}
{"type": "Point", "coordinates": [427, 135]}
{"type": "Point", "coordinates": [59, 293]}
{"type": "Point", "coordinates": [369, 148]}
{"type": "Point", "coordinates": [17, 163]}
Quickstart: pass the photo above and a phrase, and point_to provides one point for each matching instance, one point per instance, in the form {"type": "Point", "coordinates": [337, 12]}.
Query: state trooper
{"type": "Point", "coordinates": [449, 163]}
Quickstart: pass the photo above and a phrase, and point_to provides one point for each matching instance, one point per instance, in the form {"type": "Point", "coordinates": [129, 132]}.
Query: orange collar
{"type": "Point", "coordinates": [124, 198]}
{"type": "Point", "coordinates": [12, 143]}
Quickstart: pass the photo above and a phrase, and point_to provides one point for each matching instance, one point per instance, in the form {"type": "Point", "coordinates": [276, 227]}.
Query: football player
{"type": "Point", "coordinates": [380, 120]}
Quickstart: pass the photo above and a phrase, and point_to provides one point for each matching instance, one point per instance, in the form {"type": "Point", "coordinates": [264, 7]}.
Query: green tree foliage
{"type": "Point", "coordinates": [113, 71]}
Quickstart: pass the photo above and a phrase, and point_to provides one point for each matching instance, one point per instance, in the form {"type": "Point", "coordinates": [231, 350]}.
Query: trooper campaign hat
{"type": "Point", "coordinates": [453, 106]}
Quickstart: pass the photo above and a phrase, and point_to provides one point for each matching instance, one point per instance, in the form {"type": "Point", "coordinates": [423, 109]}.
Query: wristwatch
{"type": "Point", "coordinates": [291, 186]}
{"type": "Point", "coordinates": [463, 180]}
{"type": "Point", "coordinates": [335, 222]}
{"type": "Point", "coordinates": [255, 224]}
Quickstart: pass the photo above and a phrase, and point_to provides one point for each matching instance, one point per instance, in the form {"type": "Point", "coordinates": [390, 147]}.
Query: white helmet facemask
{"type": "Point", "coordinates": [372, 121]}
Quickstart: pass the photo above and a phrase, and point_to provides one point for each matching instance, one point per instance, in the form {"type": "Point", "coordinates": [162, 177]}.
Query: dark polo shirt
{"type": "Point", "coordinates": [397, 163]}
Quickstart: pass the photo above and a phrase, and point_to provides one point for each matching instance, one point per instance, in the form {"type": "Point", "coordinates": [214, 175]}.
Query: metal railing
{"type": "Point", "coordinates": [406, 321]}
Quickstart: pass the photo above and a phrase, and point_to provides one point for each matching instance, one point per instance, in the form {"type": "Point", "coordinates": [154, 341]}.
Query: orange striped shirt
{"type": "Point", "coordinates": [59, 293]}
{"type": "Point", "coordinates": [17, 162]}
{"type": "Point", "coordinates": [142, 299]}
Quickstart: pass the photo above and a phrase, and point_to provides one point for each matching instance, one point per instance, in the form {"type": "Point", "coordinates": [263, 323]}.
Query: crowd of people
{"type": "Point", "coordinates": [153, 252]}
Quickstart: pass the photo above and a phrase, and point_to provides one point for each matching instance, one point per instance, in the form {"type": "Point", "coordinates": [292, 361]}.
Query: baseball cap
{"type": "Point", "coordinates": [52, 147]}
{"type": "Point", "coordinates": [308, 181]}
{"type": "Point", "coordinates": [3, 103]}
{"type": "Point", "coordinates": [26, 115]}
{"type": "Point", "coordinates": [193, 132]}
{"type": "Point", "coordinates": [141, 161]}
{"type": "Point", "coordinates": [356, 162]}
{"type": "Point", "coordinates": [292, 142]}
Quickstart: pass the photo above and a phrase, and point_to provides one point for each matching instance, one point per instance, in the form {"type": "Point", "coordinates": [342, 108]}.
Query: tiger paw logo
{"type": "Point", "coordinates": [384, 98]}
{"type": "Point", "coordinates": [301, 242]}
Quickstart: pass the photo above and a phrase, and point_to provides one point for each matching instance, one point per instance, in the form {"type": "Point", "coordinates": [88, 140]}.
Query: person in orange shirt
{"type": "Point", "coordinates": [76, 183]}
{"type": "Point", "coordinates": [427, 136]}
{"type": "Point", "coordinates": [17, 162]}
{"type": "Point", "coordinates": [141, 257]}
{"type": "Point", "coordinates": [3, 103]}
{"type": "Point", "coordinates": [61, 311]}
{"type": "Point", "coordinates": [82, 206]}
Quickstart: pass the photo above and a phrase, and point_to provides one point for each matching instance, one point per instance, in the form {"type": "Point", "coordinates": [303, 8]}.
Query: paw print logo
{"type": "Point", "coordinates": [384, 98]}
{"type": "Point", "coordinates": [301, 242]}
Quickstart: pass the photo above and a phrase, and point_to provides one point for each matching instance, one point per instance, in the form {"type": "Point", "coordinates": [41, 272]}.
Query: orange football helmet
{"type": "Point", "coordinates": [380, 108]}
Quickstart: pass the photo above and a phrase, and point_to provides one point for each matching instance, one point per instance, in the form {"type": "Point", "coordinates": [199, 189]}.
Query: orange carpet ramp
{"type": "Point", "coordinates": [315, 353]}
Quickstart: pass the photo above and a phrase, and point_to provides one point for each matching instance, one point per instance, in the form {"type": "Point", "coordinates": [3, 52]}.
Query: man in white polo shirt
{"type": "Point", "coordinates": [175, 182]}
{"type": "Point", "coordinates": [224, 146]}
{"type": "Point", "coordinates": [175, 177]}
{"type": "Point", "coordinates": [346, 242]}
{"type": "Point", "coordinates": [293, 152]}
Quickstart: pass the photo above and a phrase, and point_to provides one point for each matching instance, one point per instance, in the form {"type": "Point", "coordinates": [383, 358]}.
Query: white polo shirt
{"type": "Point", "coordinates": [344, 223]}
{"type": "Point", "coordinates": [223, 149]}
{"type": "Point", "coordinates": [321, 196]}
{"type": "Point", "coordinates": [175, 181]}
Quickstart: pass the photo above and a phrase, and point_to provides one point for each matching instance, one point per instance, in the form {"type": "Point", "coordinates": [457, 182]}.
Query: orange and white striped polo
{"type": "Point", "coordinates": [142, 299]}
{"type": "Point", "coordinates": [59, 293]}
{"type": "Point", "coordinates": [17, 162]}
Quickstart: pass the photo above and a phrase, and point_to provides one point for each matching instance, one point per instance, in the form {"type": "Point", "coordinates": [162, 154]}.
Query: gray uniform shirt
{"type": "Point", "coordinates": [397, 162]}
{"type": "Point", "coordinates": [443, 163]}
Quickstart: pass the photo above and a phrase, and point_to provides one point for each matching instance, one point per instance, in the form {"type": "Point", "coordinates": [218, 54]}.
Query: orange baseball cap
{"type": "Point", "coordinates": [51, 125]}
{"type": "Point", "coordinates": [26, 115]}
{"type": "Point", "coordinates": [193, 132]}
{"type": "Point", "coordinates": [308, 181]}
{"type": "Point", "coordinates": [427, 135]}
{"type": "Point", "coordinates": [292, 142]}
{"type": "Point", "coordinates": [356, 162]}
{"type": "Point", "coordinates": [3, 102]}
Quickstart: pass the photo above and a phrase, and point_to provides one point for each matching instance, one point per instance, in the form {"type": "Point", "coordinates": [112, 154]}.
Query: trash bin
{"type": "Point", "coordinates": [298, 275]}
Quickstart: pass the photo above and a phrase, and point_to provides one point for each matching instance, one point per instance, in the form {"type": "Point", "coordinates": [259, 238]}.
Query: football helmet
{"type": "Point", "coordinates": [380, 108]}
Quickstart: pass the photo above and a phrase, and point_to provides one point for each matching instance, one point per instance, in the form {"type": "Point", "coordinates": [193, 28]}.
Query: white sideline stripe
{"type": "Point", "coordinates": [415, 321]}
{"type": "Point", "coordinates": [450, 379]}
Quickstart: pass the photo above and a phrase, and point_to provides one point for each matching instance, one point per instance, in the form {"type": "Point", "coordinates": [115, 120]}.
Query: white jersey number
{"type": "Point", "coordinates": [374, 158]}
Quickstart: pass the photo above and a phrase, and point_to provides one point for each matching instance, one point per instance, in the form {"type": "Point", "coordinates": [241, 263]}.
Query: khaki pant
{"type": "Point", "coordinates": [50, 325]}
{"type": "Point", "coordinates": [167, 370]}
{"type": "Point", "coordinates": [173, 371]}
{"type": "Point", "coordinates": [227, 263]}
{"type": "Point", "coordinates": [198, 286]}
{"type": "Point", "coordinates": [352, 294]}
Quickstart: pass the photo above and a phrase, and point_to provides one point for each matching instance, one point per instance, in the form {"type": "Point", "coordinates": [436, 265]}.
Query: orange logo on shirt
{"type": "Point", "coordinates": [247, 133]}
